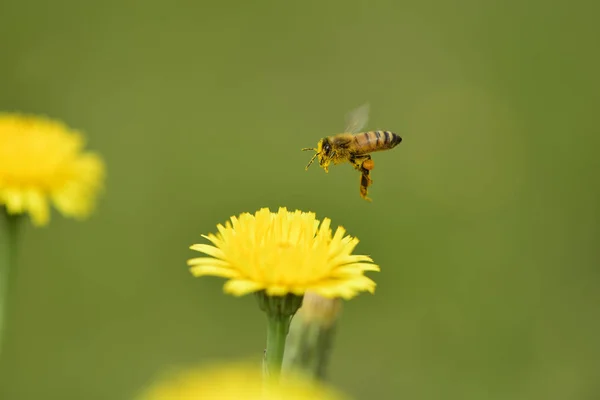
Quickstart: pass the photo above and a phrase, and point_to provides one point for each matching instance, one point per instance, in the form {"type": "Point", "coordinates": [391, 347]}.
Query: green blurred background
{"type": "Point", "coordinates": [484, 220]}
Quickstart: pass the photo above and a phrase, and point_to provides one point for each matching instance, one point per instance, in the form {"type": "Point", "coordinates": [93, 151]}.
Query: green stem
{"type": "Point", "coordinates": [309, 347]}
{"type": "Point", "coordinates": [8, 252]}
{"type": "Point", "coordinates": [311, 336]}
{"type": "Point", "coordinates": [324, 346]}
{"type": "Point", "coordinates": [277, 330]}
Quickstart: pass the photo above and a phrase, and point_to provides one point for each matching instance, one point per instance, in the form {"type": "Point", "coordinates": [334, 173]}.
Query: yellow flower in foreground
{"type": "Point", "coordinates": [239, 382]}
{"type": "Point", "coordinates": [41, 161]}
{"type": "Point", "coordinates": [284, 252]}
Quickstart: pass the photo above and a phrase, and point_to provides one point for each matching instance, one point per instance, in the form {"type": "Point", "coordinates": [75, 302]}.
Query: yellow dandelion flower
{"type": "Point", "coordinates": [237, 381]}
{"type": "Point", "coordinates": [41, 161]}
{"type": "Point", "coordinates": [284, 253]}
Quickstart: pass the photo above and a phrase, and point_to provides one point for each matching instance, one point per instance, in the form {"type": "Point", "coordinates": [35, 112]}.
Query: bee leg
{"type": "Point", "coordinates": [364, 165]}
{"type": "Point", "coordinates": [365, 182]}
{"type": "Point", "coordinates": [367, 166]}
{"type": "Point", "coordinates": [358, 161]}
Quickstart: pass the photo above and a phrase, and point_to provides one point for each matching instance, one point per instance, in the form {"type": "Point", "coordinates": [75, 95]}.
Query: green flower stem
{"type": "Point", "coordinates": [280, 310]}
{"type": "Point", "coordinates": [8, 251]}
{"type": "Point", "coordinates": [277, 330]}
{"type": "Point", "coordinates": [309, 348]}
{"type": "Point", "coordinates": [311, 336]}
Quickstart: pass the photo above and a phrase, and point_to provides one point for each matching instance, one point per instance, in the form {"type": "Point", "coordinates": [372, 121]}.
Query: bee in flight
{"type": "Point", "coordinates": [354, 146]}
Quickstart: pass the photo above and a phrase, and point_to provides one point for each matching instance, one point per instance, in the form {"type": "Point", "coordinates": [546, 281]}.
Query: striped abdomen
{"type": "Point", "coordinates": [367, 142]}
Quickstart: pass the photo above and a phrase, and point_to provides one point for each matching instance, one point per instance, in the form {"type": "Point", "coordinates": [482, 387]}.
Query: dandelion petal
{"type": "Point", "coordinates": [240, 287]}
{"type": "Point", "coordinates": [207, 249]}
{"type": "Point", "coordinates": [213, 270]}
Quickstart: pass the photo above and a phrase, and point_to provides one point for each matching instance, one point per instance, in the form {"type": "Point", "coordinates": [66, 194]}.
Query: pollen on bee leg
{"type": "Point", "coordinates": [365, 182]}
{"type": "Point", "coordinates": [368, 164]}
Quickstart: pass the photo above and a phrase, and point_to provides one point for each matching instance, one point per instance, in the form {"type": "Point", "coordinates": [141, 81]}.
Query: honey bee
{"type": "Point", "coordinates": [354, 146]}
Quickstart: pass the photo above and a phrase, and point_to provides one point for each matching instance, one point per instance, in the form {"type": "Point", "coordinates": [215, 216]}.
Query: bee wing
{"type": "Point", "coordinates": [357, 119]}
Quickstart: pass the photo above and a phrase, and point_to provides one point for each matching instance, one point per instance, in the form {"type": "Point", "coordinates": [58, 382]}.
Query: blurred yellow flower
{"type": "Point", "coordinates": [236, 381]}
{"type": "Point", "coordinates": [320, 310]}
{"type": "Point", "coordinates": [282, 253]}
{"type": "Point", "coordinates": [42, 161]}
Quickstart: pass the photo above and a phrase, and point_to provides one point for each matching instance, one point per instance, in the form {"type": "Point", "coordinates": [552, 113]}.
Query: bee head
{"type": "Point", "coordinates": [324, 148]}
{"type": "Point", "coordinates": [322, 152]}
